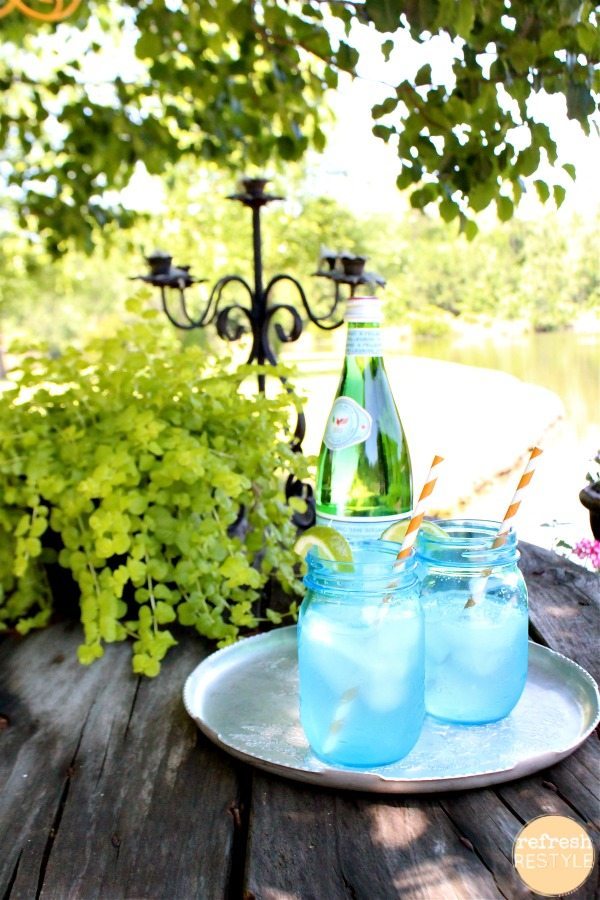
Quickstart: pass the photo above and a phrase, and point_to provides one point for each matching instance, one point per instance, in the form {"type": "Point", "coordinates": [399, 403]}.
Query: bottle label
{"type": "Point", "coordinates": [348, 424]}
{"type": "Point", "coordinates": [360, 528]}
{"type": "Point", "coordinates": [364, 342]}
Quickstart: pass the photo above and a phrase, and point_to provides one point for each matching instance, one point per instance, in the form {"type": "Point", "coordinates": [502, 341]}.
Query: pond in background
{"type": "Point", "coordinates": [564, 362]}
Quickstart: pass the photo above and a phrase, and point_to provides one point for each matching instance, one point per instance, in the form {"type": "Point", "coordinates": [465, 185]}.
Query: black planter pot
{"type": "Point", "coordinates": [590, 498]}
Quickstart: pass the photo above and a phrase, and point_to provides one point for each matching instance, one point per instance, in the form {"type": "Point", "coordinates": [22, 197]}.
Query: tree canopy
{"type": "Point", "coordinates": [242, 83]}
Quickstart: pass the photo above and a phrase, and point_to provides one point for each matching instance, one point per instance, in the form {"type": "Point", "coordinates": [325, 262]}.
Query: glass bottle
{"type": "Point", "coordinates": [474, 601]}
{"type": "Point", "coordinates": [361, 657]}
{"type": "Point", "coordinates": [364, 478]}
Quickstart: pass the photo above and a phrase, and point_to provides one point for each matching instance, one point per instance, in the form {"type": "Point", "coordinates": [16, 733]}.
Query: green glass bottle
{"type": "Point", "coordinates": [364, 478]}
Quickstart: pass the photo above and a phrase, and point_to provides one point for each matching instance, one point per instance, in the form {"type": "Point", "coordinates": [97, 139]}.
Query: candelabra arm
{"type": "Point", "coordinates": [286, 337]}
{"type": "Point", "coordinates": [186, 326]}
{"type": "Point", "coordinates": [319, 321]}
{"type": "Point", "coordinates": [185, 322]}
{"type": "Point", "coordinates": [227, 327]}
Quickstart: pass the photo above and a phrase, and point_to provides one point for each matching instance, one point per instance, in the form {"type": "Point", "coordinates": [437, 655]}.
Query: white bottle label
{"type": "Point", "coordinates": [364, 342]}
{"type": "Point", "coordinates": [348, 424]}
{"type": "Point", "coordinates": [360, 528]}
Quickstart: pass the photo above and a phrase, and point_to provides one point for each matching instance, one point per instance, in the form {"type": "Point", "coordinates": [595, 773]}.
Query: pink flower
{"type": "Point", "coordinates": [587, 549]}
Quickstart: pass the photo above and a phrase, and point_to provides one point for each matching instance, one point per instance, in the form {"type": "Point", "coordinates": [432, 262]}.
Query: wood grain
{"type": "Point", "coordinates": [123, 797]}
{"type": "Point", "coordinates": [309, 843]}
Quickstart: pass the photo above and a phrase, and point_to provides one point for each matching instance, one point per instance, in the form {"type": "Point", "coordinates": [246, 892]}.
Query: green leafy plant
{"type": "Point", "coordinates": [139, 455]}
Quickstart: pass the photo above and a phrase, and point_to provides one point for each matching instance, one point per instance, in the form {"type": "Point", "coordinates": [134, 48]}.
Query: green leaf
{"type": "Point", "coordinates": [482, 195]}
{"type": "Point", "coordinates": [580, 103]}
{"type": "Point", "coordinates": [406, 177]}
{"type": "Point", "coordinates": [143, 664]}
{"type": "Point", "coordinates": [543, 191]}
{"type": "Point", "coordinates": [570, 170]}
{"type": "Point", "coordinates": [164, 613]}
{"type": "Point", "coordinates": [385, 14]}
{"type": "Point", "coordinates": [559, 194]}
{"type": "Point", "coordinates": [465, 17]}
{"type": "Point", "coordinates": [297, 504]}
{"type": "Point", "coordinates": [587, 36]}
{"type": "Point", "coordinates": [468, 227]}
{"type": "Point", "coordinates": [347, 57]}
{"type": "Point", "coordinates": [522, 54]}
{"type": "Point", "coordinates": [386, 49]}
{"type": "Point", "coordinates": [505, 208]}
{"type": "Point", "coordinates": [550, 42]}
{"type": "Point", "coordinates": [384, 132]}
{"type": "Point", "coordinates": [449, 210]}
{"type": "Point", "coordinates": [384, 108]}
{"type": "Point", "coordinates": [137, 570]}
{"type": "Point", "coordinates": [423, 76]}
{"type": "Point", "coordinates": [528, 161]}
{"type": "Point", "coordinates": [148, 46]}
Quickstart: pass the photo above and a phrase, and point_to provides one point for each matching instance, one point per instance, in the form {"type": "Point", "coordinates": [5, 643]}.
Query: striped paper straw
{"type": "Point", "coordinates": [419, 514]}
{"type": "Point", "coordinates": [507, 522]}
{"type": "Point", "coordinates": [515, 503]}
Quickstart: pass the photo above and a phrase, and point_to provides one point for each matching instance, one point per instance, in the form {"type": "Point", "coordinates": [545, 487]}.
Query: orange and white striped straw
{"type": "Point", "coordinates": [515, 503]}
{"type": "Point", "coordinates": [506, 525]}
{"type": "Point", "coordinates": [419, 512]}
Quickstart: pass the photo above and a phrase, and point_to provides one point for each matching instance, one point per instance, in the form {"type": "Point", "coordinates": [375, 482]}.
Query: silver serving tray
{"type": "Point", "coordinates": [245, 699]}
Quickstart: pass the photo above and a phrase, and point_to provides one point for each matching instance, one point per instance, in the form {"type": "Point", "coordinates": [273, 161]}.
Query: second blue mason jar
{"type": "Point", "coordinates": [474, 601]}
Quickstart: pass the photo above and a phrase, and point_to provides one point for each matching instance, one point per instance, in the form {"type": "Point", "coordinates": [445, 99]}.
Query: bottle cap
{"type": "Point", "coordinates": [363, 309]}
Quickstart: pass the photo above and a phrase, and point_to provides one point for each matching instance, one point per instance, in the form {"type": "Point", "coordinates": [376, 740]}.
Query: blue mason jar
{"type": "Point", "coordinates": [361, 657]}
{"type": "Point", "coordinates": [474, 600]}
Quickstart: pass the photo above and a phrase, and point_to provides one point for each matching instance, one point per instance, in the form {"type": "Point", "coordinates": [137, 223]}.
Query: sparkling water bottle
{"type": "Point", "coordinates": [364, 479]}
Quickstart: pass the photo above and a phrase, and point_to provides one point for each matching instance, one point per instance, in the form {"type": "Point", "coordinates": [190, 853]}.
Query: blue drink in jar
{"type": "Point", "coordinates": [361, 657]}
{"type": "Point", "coordinates": [474, 601]}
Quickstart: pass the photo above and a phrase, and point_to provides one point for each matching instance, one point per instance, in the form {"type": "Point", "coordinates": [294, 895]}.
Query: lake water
{"type": "Point", "coordinates": [566, 363]}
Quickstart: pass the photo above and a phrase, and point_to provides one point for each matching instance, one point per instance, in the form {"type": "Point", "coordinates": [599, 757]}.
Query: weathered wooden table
{"type": "Point", "coordinates": [108, 790]}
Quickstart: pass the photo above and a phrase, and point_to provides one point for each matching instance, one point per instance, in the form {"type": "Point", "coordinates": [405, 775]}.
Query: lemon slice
{"type": "Point", "coordinates": [397, 531]}
{"type": "Point", "coordinates": [330, 544]}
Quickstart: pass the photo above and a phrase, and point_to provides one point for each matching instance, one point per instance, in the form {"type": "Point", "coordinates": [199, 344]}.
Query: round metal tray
{"type": "Point", "coordinates": [245, 699]}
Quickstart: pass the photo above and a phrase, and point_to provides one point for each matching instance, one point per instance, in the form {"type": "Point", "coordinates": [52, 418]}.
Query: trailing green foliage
{"type": "Point", "coordinates": [244, 84]}
{"type": "Point", "coordinates": [140, 455]}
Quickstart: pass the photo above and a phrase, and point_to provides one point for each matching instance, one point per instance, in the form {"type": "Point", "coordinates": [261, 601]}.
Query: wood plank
{"type": "Point", "coordinates": [312, 843]}
{"type": "Point", "coordinates": [577, 781]}
{"type": "Point", "coordinates": [46, 695]}
{"type": "Point", "coordinates": [123, 797]}
{"type": "Point", "coordinates": [491, 829]}
{"type": "Point", "coordinates": [564, 605]}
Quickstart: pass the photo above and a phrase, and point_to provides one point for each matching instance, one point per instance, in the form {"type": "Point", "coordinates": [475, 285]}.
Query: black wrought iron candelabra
{"type": "Point", "coordinates": [262, 309]}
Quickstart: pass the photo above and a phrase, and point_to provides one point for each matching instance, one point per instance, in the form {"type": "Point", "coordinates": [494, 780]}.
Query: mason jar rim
{"type": "Point", "coordinates": [468, 543]}
{"type": "Point", "coordinates": [350, 577]}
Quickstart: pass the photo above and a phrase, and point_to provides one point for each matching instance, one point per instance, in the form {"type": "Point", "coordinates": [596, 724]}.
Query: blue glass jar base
{"type": "Point", "coordinates": [474, 721]}
{"type": "Point", "coordinates": [354, 737]}
{"type": "Point", "coordinates": [368, 763]}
